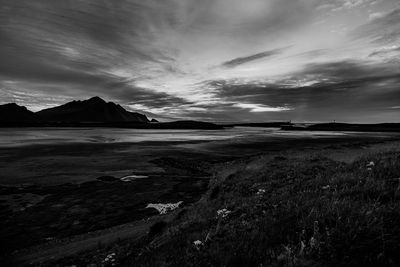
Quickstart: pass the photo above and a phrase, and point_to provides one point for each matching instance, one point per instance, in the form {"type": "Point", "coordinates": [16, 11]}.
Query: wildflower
{"type": "Point", "coordinates": [198, 244]}
{"type": "Point", "coordinates": [261, 191]}
{"type": "Point", "coordinates": [371, 164]}
{"type": "Point", "coordinates": [110, 257]}
{"type": "Point", "coordinates": [223, 213]}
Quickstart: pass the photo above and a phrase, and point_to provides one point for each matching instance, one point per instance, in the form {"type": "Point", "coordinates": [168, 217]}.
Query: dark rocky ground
{"type": "Point", "coordinates": [34, 214]}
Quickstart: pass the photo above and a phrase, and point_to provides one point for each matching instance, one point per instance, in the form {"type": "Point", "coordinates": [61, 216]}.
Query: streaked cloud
{"type": "Point", "coordinates": [260, 107]}
{"type": "Point", "coordinates": [384, 29]}
{"type": "Point", "coordinates": [242, 60]}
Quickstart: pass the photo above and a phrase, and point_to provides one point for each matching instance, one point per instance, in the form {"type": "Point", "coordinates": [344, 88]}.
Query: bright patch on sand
{"type": "Point", "coordinates": [131, 178]}
{"type": "Point", "coordinates": [164, 208]}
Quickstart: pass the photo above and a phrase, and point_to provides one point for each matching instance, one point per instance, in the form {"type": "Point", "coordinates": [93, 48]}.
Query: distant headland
{"type": "Point", "coordinates": [93, 112]}
{"type": "Point", "coordinates": [96, 112]}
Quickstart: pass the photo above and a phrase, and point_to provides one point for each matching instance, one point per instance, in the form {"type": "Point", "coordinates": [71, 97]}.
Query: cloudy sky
{"type": "Point", "coordinates": [214, 60]}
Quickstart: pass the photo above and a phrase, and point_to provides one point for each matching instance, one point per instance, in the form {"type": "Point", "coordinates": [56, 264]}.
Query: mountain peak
{"type": "Point", "coordinates": [93, 109]}
{"type": "Point", "coordinates": [96, 99]}
{"type": "Point", "coordinates": [12, 105]}
{"type": "Point", "coordinates": [13, 112]}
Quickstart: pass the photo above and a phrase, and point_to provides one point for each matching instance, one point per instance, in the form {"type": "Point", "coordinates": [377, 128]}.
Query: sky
{"type": "Point", "coordinates": [211, 60]}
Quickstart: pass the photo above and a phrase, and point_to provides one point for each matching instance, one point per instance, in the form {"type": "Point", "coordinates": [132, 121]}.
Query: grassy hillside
{"type": "Point", "coordinates": [290, 211]}
{"type": "Point", "coordinates": [287, 209]}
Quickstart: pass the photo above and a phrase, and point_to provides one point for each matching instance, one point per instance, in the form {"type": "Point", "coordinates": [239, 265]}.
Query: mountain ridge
{"type": "Point", "coordinates": [94, 109]}
{"type": "Point", "coordinates": [92, 112]}
{"type": "Point", "coordinates": [12, 112]}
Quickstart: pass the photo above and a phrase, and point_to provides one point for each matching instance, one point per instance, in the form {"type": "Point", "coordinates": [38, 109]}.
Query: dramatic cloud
{"type": "Point", "coordinates": [242, 60]}
{"type": "Point", "coordinates": [384, 28]}
{"type": "Point", "coordinates": [326, 91]}
{"type": "Point", "coordinates": [224, 60]}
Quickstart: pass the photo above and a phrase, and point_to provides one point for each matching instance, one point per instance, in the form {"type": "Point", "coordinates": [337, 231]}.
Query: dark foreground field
{"type": "Point", "coordinates": [289, 210]}
{"type": "Point", "coordinates": [310, 202]}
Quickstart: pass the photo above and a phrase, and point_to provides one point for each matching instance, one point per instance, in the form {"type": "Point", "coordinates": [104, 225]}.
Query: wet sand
{"type": "Point", "coordinates": [51, 158]}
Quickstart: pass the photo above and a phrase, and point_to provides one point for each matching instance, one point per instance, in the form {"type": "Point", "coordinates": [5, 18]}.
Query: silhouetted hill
{"type": "Point", "coordinates": [16, 114]}
{"type": "Point", "coordinates": [94, 112]}
{"type": "Point", "coordinates": [94, 109]}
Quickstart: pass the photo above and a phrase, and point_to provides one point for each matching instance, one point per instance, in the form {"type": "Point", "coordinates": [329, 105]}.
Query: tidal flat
{"type": "Point", "coordinates": [59, 186]}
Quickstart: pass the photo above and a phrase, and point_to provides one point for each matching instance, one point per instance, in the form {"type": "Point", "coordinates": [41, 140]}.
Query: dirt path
{"type": "Point", "coordinates": [64, 248]}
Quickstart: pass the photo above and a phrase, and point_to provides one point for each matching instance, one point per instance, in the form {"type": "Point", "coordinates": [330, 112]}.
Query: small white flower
{"type": "Point", "coordinates": [109, 257]}
{"type": "Point", "coordinates": [326, 187]}
{"type": "Point", "coordinates": [371, 164]}
{"type": "Point", "coordinates": [223, 213]}
{"type": "Point", "coordinates": [198, 244]}
{"type": "Point", "coordinates": [261, 191]}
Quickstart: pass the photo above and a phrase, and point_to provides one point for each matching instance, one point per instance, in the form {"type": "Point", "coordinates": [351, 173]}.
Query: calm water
{"type": "Point", "coordinates": [27, 136]}
{"type": "Point", "coordinates": [55, 160]}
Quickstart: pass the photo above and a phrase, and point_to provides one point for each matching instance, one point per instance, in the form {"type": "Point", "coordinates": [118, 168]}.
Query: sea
{"type": "Point", "coordinates": [10, 137]}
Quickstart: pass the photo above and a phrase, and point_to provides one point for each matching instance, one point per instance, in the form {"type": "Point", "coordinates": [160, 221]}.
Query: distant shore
{"type": "Point", "coordinates": [353, 127]}
{"type": "Point", "coordinates": [200, 125]}
{"type": "Point", "coordinates": [132, 125]}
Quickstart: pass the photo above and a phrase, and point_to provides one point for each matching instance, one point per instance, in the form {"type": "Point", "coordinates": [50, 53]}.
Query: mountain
{"type": "Point", "coordinates": [94, 109]}
{"type": "Point", "coordinates": [13, 113]}
{"type": "Point", "coordinates": [93, 112]}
